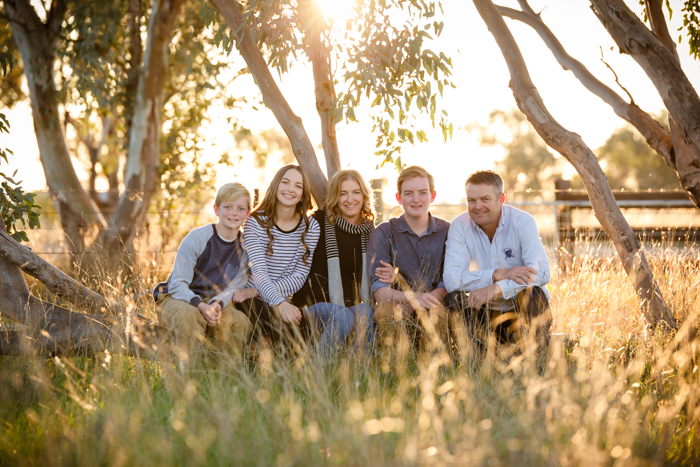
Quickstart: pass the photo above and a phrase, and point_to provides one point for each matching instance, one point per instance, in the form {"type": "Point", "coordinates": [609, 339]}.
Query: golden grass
{"type": "Point", "coordinates": [615, 391]}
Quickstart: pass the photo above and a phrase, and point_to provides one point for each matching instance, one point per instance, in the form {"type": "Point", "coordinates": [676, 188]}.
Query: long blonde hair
{"type": "Point", "coordinates": [266, 210]}
{"type": "Point", "coordinates": [333, 197]}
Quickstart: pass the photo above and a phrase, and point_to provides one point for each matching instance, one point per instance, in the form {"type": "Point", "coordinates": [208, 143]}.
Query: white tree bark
{"type": "Point", "coordinates": [36, 42]}
{"type": "Point", "coordinates": [571, 146]}
{"type": "Point", "coordinates": [274, 99]}
{"type": "Point", "coordinates": [660, 63]}
{"type": "Point", "coordinates": [141, 174]}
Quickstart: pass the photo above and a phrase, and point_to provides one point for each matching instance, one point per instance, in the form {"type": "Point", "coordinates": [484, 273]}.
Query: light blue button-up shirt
{"type": "Point", "coordinates": [471, 259]}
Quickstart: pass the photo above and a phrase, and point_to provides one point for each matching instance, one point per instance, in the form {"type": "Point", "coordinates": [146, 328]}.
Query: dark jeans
{"type": "Point", "coordinates": [268, 323]}
{"type": "Point", "coordinates": [530, 307]}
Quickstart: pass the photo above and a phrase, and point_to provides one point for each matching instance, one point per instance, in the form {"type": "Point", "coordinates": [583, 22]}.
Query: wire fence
{"type": "Point", "coordinates": [156, 241]}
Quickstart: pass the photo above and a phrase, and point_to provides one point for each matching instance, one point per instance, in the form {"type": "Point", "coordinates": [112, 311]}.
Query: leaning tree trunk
{"type": "Point", "coordinates": [656, 136]}
{"type": "Point", "coordinates": [48, 329]}
{"type": "Point", "coordinates": [36, 42]}
{"type": "Point", "coordinates": [274, 99]}
{"type": "Point", "coordinates": [661, 64]}
{"type": "Point", "coordinates": [572, 147]}
{"type": "Point", "coordinates": [141, 174]}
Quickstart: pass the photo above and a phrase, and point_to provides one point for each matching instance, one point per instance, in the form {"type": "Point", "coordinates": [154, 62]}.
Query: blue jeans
{"type": "Point", "coordinates": [335, 322]}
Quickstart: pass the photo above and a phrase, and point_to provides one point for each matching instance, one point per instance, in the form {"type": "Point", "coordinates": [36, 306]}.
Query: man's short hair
{"type": "Point", "coordinates": [231, 192]}
{"type": "Point", "coordinates": [412, 172]}
{"type": "Point", "coordinates": [486, 177]}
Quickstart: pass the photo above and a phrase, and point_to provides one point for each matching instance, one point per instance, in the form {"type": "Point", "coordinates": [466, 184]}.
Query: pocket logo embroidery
{"type": "Point", "coordinates": [509, 253]}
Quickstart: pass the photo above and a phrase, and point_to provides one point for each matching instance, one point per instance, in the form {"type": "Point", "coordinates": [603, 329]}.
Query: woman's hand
{"type": "Point", "coordinates": [387, 273]}
{"type": "Point", "coordinates": [241, 295]}
{"type": "Point", "coordinates": [290, 313]}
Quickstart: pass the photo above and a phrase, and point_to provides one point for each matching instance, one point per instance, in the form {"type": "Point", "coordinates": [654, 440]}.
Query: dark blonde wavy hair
{"type": "Point", "coordinates": [266, 210]}
{"type": "Point", "coordinates": [333, 197]}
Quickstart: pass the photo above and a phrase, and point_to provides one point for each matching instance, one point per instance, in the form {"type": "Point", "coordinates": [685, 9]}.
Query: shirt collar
{"type": "Point", "coordinates": [432, 225]}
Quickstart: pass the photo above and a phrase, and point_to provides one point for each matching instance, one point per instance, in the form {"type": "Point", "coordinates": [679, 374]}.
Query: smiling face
{"type": "Point", "coordinates": [351, 200]}
{"type": "Point", "coordinates": [484, 205]}
{"type": "Point", "coordinates": [291, 188]}
{"type": "Point", "coordinates": [415, 197]}
{"type": "Point", "coordinates": [233, 213]}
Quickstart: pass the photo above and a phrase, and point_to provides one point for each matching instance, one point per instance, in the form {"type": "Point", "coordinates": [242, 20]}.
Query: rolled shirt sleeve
{"type": "Point", "coordinates": [378, 249]}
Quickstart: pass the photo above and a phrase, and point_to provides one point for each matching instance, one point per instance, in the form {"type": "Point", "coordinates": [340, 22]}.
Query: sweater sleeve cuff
{"type": "Point", "coordinates": [195, 301]}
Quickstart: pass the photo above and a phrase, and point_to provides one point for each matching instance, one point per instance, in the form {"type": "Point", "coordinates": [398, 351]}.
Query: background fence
{"type": "Point", "coordinates": [663, 220]}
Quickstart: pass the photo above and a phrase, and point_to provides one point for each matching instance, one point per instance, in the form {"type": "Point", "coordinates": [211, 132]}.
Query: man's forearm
{"type": "Point", "coordinates": [440, 293]}
{"type": "Point", "coordinates": [387, 294]}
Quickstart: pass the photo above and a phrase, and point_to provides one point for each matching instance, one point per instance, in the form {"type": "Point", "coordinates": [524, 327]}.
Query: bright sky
{"type": "Point", "coordinates": [481, 77]}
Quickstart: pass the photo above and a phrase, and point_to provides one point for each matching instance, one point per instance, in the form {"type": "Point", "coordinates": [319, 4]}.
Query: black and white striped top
{"type": "Point", "coordinates": [279, 275]}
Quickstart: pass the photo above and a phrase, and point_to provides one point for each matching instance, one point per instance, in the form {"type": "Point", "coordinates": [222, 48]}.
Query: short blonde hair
{"type": "Point", "coordinates": [413, 172]}
{"type": "Point", "coordinates": [230, 192]}
{"type": "Point", "coordinates": [333, 196]}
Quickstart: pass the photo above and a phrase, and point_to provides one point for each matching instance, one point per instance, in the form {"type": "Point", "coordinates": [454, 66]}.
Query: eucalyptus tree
{"type": "Point", "coordinates": [378, 57]}
{"type": "Point", "coordinates": [655, 51]}
{"type": "Point", "coordinates": [134, 80]}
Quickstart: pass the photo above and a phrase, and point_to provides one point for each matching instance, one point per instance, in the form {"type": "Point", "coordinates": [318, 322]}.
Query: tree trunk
{"type": "Point", "coordinates": [571, 146]}
{"type": "Point", "coordinates": [54, 330]}
{"type": "Point", "coordinates": [656, 136]}
{"type": "Point", "coordinates": [663, 68]}
{"type": "Point", "coordinates": [36, 43]}
{"type": "Point", "coordinates": [291, 123]}
{"type": "Point", "coordinates": [325, 99]}
{"type": "Point", "coordinates": [141, 175]}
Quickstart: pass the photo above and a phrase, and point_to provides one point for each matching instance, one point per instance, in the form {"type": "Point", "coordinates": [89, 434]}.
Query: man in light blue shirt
{"type": "Point", "coordinates": [496, 266]}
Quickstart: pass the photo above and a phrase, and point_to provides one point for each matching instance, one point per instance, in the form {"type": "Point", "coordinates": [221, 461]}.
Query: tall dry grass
{"type": "Point", "coordinates": [614, 392]}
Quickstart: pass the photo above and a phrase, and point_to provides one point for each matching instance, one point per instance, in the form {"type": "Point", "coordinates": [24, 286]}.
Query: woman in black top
{"type": "Point", "coordinates": [336, 293]}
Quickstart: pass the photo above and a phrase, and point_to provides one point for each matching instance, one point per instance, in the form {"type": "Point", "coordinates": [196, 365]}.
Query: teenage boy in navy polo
{"type": "Point", "coordinates": [210, 266]}
{"type": "Point", "coordinates": [496, 267]}
{"type": "Point", "coordinates": [405, 264]}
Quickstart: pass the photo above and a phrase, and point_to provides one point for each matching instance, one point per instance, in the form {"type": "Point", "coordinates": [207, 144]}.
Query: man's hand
{"type": "Point", "coordinates": [289, 313]}
{"type": "Point", "coordinates": [241, 295]}
{"type": "Point", "coordinates": [210, 313]}
{"type": "Point", "coordinates": [387, 273]}
{"type": "Point", "coordinates": [477, 298]}
{"type": "Point", "coordinates": [523, 275]}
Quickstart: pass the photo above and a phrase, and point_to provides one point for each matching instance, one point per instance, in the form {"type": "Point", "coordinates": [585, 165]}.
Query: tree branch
{"type": "Point", "coordinates": [656, 136]}
{"type": "Point", "coordinates": [55, 280]}
{"type": "Point", "coordinates": [572, 147]}
{"type": "Point", "coordinates": [274, 99]}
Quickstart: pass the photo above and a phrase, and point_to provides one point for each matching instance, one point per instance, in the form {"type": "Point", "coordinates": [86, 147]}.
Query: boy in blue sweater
{"type": "Point", "coordinates": [210, 266]}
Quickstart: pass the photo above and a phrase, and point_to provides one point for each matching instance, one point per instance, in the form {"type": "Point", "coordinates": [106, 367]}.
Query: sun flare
{"type": "Point", "coordinates": [335, 9]}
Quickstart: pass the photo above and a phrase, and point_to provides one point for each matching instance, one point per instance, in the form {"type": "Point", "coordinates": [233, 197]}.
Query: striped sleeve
{"type": "Point", "coordinates": [289, 284]}
{"type": "Point", "coordinates": [256, 242]}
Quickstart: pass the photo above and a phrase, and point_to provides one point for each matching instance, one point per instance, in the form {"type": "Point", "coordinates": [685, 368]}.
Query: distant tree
{"type": "Point", "coordinates": [629, 163]}
{"type": "Point", "coordinates": [528, 164]}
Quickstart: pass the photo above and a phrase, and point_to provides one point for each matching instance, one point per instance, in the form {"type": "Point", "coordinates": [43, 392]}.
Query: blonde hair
{"type": "Point", "coordinates": [412, 172]}
{"type": "Point", "coordinates": [230, 192]}
{"type": "Point", "coordinates": [333, 197]}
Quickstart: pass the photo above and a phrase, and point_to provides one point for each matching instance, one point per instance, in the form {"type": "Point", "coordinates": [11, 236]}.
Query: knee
{"type": "Point", "coordinates": [237, 321]}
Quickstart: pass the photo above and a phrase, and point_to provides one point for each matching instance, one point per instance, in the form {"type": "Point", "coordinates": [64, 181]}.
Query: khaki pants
{"type": "Point", "coordinates": [396, 323]}
{"type": "Point", "coordinates": [187, 323]}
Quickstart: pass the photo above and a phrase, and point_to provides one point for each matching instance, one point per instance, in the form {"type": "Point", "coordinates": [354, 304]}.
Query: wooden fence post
{"type": "Point", "coordinates": [565, 232]}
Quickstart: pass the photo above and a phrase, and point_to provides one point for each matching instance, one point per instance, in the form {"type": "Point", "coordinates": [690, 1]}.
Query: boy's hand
{"type": "Point", "coordinates": [289, 313]}
{"type": "Point", "coordinates": [387, 273]}
{"type": "Point", "coordinates": [210, 313]}
{"type": "Point", "coordinates": [241, 295]}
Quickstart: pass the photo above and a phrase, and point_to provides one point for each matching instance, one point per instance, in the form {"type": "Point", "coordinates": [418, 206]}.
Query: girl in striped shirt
{"type": "Point", "coordinates": [280, 239]}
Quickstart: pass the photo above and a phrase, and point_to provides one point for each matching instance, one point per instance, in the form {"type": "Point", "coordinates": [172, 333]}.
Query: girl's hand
{"type": "Point", "coordinates": [290, 313]}
{"type": "Point", "coordinates": [241, 295]}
